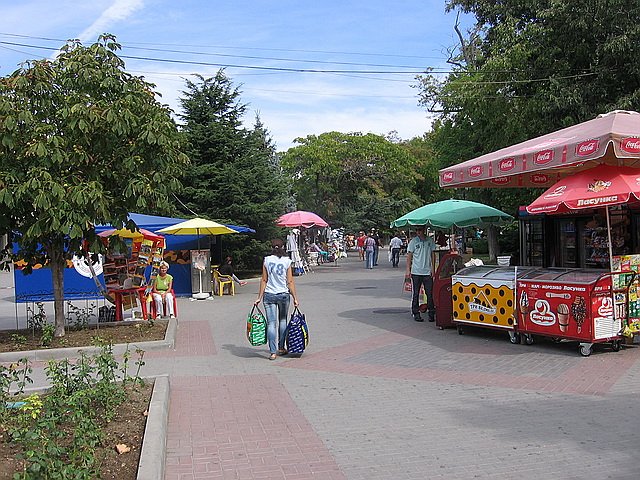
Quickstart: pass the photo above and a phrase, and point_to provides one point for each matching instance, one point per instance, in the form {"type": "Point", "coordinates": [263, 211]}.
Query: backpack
{"type": "Point", "coordinates": [256, 327]}
{"type": "Point", "coordinates": [297, 333]}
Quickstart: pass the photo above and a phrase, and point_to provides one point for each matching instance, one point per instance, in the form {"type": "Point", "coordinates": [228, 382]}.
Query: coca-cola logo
{"type": "Point", "coordinates": [501, 181]}
{"type": "Point", "coordinates": [447, 177]}
{"type": "Point", "coordinates": [475, 171]}
{"type": "Point", "coordinates": [539, 179]}
{"type": "Point", "coordinates": [587, 147]}
{"type": "Point", "coordinates": [506, 164]}
{"type": "Point", "coordinates": [542, 157]}
{"type": "Point", "coordinates": [630, 145]}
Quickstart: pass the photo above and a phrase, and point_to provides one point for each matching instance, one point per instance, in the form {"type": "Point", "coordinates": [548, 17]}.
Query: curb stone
{"type": "Point", "coordinates": [73, 352]}
{"type": "Point", "coordinates": [154, 451]}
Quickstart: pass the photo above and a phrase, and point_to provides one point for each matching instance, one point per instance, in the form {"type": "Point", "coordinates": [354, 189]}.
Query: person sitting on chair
{"type": "Point", "coordinates": [227, 269]}
{"type": "Point", "coordinates": [161, 291]}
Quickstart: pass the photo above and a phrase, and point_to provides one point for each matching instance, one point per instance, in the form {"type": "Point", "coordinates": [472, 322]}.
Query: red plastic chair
{"type": "Point", "coordinates": [153, 311]}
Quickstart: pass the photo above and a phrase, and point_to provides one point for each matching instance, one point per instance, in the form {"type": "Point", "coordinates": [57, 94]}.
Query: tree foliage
{"type": "Point", "coordinates": [529, 68]}
{"type": "Point", "coordinates": [235, 175]}
{"type": "Point", "coordinates": [82, 142]}
{"type": "Point", "coordinates": [352, 180]}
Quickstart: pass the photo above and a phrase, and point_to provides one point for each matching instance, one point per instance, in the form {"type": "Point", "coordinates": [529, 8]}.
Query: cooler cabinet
{"type": "Point", "coordinates": [570, 304]}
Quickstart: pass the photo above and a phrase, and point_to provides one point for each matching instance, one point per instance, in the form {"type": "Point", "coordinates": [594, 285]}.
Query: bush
{"type": "Point", "coordinates": [480, 246]}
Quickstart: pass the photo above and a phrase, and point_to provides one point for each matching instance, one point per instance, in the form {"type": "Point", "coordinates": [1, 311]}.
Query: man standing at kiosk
{"type": "Point", "coordinates": [419, 252]}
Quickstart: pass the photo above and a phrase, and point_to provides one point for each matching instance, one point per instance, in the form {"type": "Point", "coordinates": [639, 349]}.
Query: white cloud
{"type": "Point", "coordinates": [118, 11]}
{"type": "Point", "coordinates": [286, 126]}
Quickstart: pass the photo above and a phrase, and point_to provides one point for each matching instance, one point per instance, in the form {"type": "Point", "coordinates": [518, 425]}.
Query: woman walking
{"type": "Point", "coordinates": [276, 286]}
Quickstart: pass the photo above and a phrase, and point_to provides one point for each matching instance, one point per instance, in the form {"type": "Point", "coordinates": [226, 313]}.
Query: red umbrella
{"type": "Point", "coordinates": [300, 218]}
{"type": "Point", "coordinates": [600, 186]}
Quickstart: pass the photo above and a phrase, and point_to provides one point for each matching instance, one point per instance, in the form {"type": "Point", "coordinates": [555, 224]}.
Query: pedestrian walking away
{"type": "Point", "coordinates": [276, 288]}
{"type": "Point", "coordinates": [360, 244]}
{"type": "Point", "coordinates": [395, 245]}
{"type": "Point", "coordinates": [419, 252]}
{"type": "Point", "coordinates": [376, 248]}
{"type": "Point", "coordinates": [369, 251]}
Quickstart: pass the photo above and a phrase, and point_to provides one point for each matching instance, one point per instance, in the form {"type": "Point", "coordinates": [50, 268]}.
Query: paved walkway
{"type": "Point", "coordinates": [379, 396]}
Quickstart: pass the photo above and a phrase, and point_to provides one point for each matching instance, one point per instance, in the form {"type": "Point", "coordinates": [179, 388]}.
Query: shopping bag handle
{"type": "Point", "coordinates": [256, 307]}
{"type": "Point", "coordinates": [296, 309]}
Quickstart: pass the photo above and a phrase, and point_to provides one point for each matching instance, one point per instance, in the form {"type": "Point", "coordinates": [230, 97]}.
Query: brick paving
{"type": "Point", "coordinates": [378, 396]}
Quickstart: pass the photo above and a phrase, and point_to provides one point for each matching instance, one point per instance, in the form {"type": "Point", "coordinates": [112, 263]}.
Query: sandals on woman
{"type": "Point", "coordinates": [282, 351]}
{"type": "Point", "coordinates": [273, 356]}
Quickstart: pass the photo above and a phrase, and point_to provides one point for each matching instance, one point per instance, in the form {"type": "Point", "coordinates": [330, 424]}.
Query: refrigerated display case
{"type": "Point", "coordinates": [568, 243]}
{"type": "Point", "coordinates": [532, 246]}
{"type": "Point", "coordinates": [570, 304]}
{"type": "Point", "coordinates": [484, 296]}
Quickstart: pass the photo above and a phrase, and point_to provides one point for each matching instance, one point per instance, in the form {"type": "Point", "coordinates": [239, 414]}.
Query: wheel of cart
{"type": "Point", "coordinates": [514, 337]}
{"type": "Point", "coordinates": [460, 330]}
{"type": "Point", "coordinates": [585, 349]}
{"type": "Point", "coordinates": [616, 345]}
{"type": "Point", "coordinates": [527, 339]}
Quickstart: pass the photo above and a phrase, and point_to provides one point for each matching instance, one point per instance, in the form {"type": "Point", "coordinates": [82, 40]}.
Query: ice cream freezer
{"type": "Point", "coordinates": [570, 304]}
{"type": "Point", "coordinates": [485, 296]}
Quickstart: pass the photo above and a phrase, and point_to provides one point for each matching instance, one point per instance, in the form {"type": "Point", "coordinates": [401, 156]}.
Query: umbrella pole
{"type": "Point", "coordinates": [452, 241]}
{"type": "Point", "coordinates": [606, 209]}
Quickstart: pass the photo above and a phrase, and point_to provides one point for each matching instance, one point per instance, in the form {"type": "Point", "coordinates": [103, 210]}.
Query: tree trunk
{"type": "Point", "coordinates": [58, 264]}
{"type": "Point", "coordinates": [492, 240]}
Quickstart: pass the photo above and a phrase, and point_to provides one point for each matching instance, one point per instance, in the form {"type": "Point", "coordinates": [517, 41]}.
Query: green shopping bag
{"type": "Point", "coordinates": [256, 327]}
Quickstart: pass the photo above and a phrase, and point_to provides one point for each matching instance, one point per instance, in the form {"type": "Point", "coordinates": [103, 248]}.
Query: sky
{"type": "Point", "coordinates": [304, 67]}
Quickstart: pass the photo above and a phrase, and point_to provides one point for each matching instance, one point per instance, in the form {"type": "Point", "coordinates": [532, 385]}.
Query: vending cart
{"type": "Point", "coordinates": [484, 296]}
{"type": "Point", "coordinates": [570, 304]}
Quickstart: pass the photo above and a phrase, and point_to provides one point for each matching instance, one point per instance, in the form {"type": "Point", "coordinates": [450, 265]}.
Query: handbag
{"type": "Point", "coordinates": [297, 333]}
{"type": "Point", "coordinates": [256, 327]}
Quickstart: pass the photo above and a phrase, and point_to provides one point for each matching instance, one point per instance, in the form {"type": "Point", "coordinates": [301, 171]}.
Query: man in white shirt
{"type": "Point", "coordinates": [419, 253]}
{"type": "Point", "coordinates": [395, 245]}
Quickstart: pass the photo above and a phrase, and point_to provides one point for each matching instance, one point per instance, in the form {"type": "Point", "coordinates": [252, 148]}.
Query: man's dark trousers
{"type": "Point", "coordinates": [418, 281]}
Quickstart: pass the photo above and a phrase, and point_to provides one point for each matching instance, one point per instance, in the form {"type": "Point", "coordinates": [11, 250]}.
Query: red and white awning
{"type": "Point", "coordinates": [612, 138]}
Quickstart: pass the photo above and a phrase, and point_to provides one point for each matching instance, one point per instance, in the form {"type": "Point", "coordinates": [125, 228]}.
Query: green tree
{"type": "Point", "coordinates": [82, 142]}
{"type": "Point", "coordinates": [526, 69]}
{"type": "Point", "coordinates": [235, 176]}
{"type": "Point", "coordinates": [352, 180]}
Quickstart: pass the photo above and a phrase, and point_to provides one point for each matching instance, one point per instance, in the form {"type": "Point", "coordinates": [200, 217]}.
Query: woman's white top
{"type": "Point", "coordinates": [277, 273]}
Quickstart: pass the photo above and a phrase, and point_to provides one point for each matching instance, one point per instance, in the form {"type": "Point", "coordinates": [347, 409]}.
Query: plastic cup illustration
{"type": "Point", "coordinates": [563, 316]}
{"type": "Point", "coordinates": [524, 306]}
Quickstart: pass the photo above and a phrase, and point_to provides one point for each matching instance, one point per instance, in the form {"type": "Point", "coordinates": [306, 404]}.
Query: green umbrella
{"type": "Point", "coordinates": [453, 213]}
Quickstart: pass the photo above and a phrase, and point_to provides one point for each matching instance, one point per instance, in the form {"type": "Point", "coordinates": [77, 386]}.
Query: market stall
{"type": "Point", "coordinates": [295, 245]}
{"type": "Point", "coordinates": [127, 276]}
{"type": "Point", "coordinates": [445, 215]}
{"type": "Point", "coordinates": [602, 225]}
